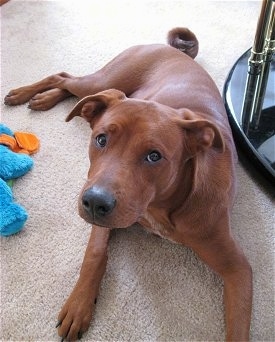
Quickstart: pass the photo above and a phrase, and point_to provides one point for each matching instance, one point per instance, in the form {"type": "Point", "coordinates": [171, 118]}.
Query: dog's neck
{"type": "Point", "coordinates": [158, 224]}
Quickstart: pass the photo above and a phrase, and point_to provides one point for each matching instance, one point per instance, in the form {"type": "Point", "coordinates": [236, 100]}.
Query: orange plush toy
{"type": "Point", "coordinates": [21, 142]}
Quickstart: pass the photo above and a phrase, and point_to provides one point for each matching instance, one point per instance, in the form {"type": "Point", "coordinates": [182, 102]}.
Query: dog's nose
{"type": "Point", "coordinates": [98, 202]}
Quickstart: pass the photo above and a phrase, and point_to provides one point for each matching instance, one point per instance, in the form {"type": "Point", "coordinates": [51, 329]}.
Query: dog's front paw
{"type": "Point", "coordinates": [75, 316]}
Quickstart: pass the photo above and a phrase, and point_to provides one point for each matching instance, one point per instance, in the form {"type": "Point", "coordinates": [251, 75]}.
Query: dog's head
{"type": "Point", "coordinates": [138, 153]}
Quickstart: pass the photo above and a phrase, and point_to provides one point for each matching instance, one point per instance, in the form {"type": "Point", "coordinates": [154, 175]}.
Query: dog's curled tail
{"type": "Point", "coordinates": [184, 40]}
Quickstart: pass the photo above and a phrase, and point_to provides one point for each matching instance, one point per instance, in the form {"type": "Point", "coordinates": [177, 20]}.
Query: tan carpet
{"type": "Point", "coordinates": [153, 290]}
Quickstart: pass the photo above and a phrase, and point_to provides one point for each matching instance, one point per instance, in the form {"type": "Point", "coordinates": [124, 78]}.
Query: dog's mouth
{"type": "Point", "coordinates": [106, 222]}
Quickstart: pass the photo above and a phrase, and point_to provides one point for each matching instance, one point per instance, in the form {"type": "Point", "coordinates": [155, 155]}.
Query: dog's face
{"type": "Point", "coordinates": [136, 152]}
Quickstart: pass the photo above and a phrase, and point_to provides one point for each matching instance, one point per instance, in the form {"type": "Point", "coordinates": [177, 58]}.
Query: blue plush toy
{"type": "Point", "coordinates": [13, 216]}
{"type": "Point", "coordinates": [12, 165]}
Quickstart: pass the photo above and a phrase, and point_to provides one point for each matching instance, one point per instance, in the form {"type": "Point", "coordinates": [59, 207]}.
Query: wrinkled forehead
{"type": "Point", "coordinates": [138, 118]}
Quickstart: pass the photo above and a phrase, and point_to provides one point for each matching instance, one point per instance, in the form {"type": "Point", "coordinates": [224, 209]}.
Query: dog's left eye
{"type": "Point", "coordinates": [153, 156]}
{"type": "Point", "coordinates": [101, 140]}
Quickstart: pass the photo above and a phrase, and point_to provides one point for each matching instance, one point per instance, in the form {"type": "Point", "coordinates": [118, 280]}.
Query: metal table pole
{"type": "Point", "coordinates": [258, 67]}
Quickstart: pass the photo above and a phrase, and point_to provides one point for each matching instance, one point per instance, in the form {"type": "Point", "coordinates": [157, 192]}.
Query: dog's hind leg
{"type": "Point", "coordinates": [51, 90]}
{"type": "Point", "coordinates": [48, 99]}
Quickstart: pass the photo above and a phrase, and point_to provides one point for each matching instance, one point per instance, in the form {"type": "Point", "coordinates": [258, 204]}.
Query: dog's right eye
{"type": "Point", "coordinates": [101, 140]}
{"type": "Point", "coordinates": [153, 157]}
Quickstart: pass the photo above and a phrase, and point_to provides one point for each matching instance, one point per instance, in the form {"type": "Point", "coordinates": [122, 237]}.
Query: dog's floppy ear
{"type": "Point", "coordinates": [201, 135]}
{"type": "Point", "coordinates": [92, 105]}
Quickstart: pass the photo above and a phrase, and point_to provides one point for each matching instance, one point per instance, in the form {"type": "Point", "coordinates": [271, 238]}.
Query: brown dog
{"type": "Point", "coordinates": [163, 156]}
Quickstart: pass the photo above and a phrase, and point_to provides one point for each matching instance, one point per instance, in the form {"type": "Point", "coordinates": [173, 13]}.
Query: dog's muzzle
{"type": "Point", "coordinates": [98, 203]}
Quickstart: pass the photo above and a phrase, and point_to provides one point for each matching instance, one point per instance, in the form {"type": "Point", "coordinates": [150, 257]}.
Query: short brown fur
{"type": "Point", "coordinates": [163, 156]}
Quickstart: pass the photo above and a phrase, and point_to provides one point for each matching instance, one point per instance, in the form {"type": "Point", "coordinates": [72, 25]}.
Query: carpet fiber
{"type": "Point", "coordinates": [153, 290]}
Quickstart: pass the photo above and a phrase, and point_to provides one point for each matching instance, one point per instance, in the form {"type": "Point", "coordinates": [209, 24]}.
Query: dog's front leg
{"type": "Point", "coordinates": [76, 314]}
{"type": "Point", "coordinates": [225, 257]}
